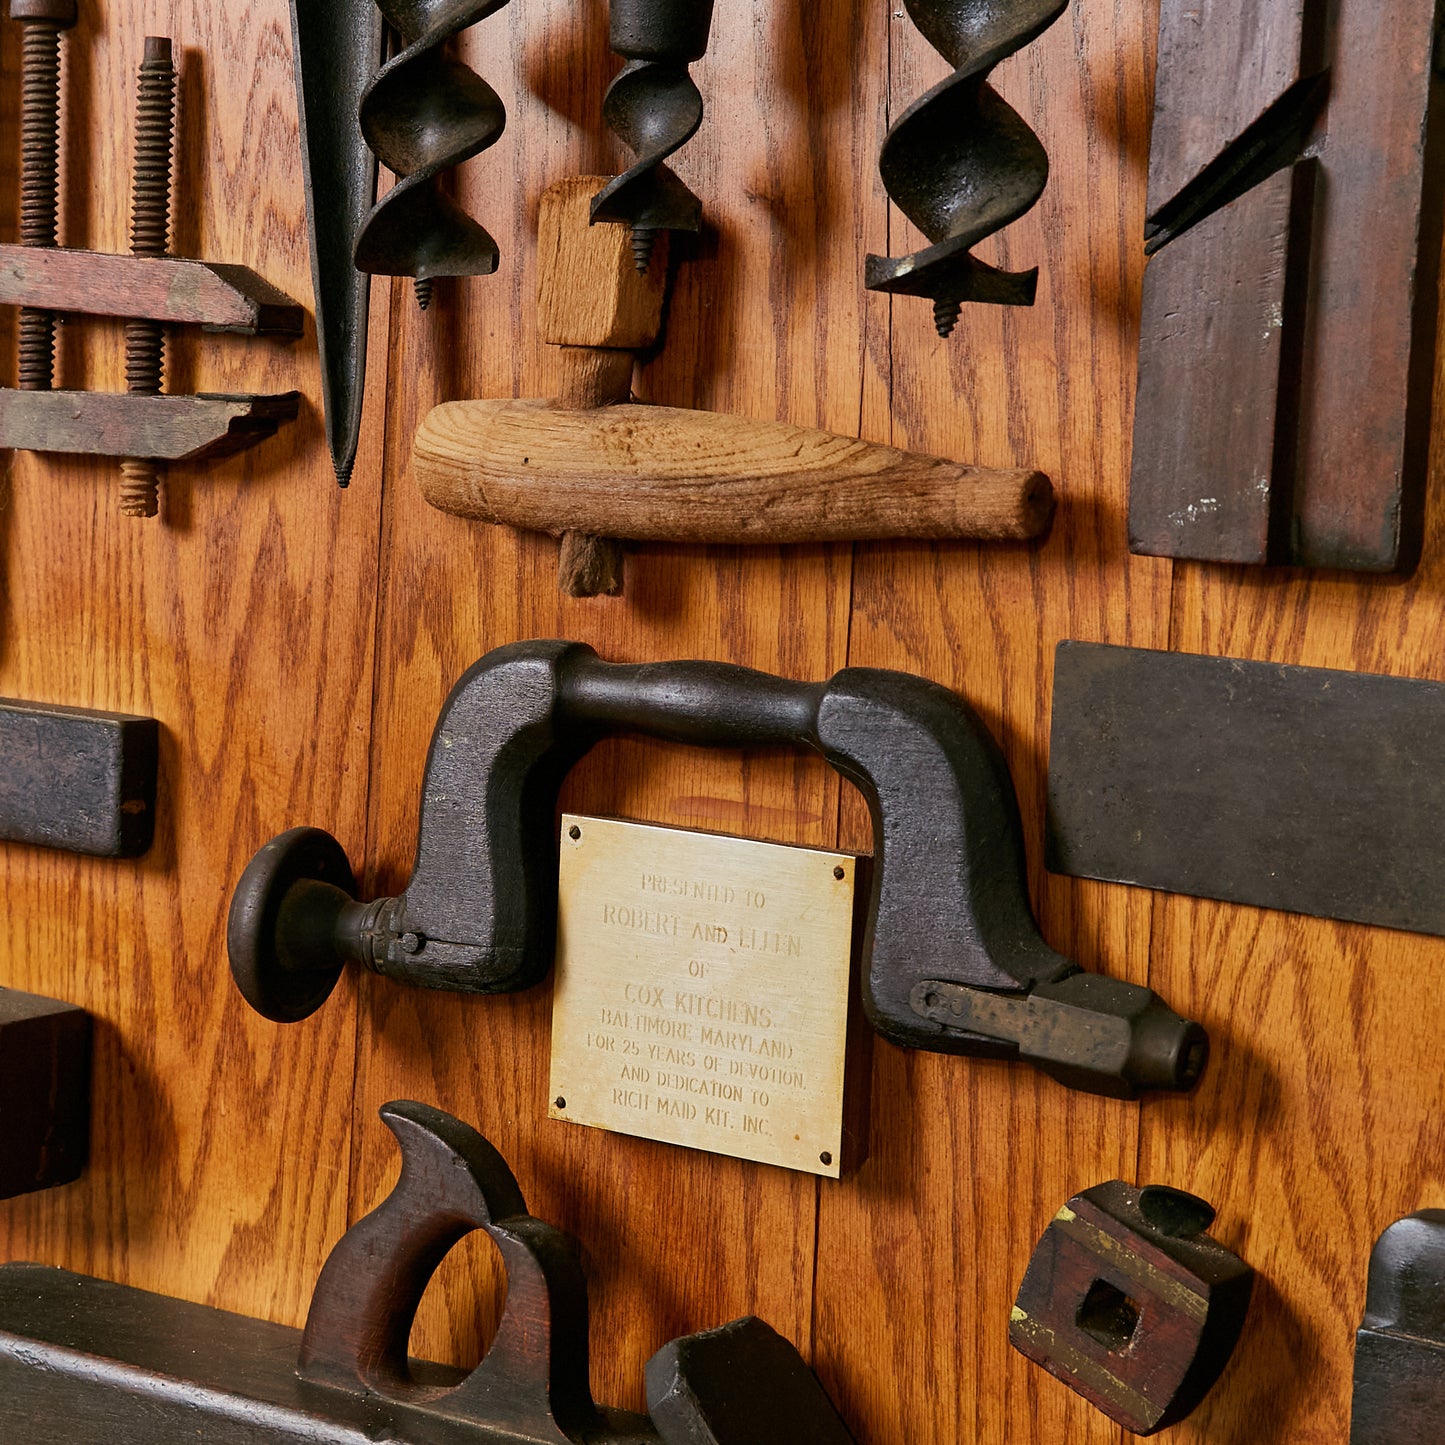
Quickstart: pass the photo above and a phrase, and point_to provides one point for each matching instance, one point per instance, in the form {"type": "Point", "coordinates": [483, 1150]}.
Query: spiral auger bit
{"type": "Point", "coordinates": [423, 115]}
{"type": "Point", "coordinates": [655, 108]}
{"type": "Point", "coordinates": [960, 162]}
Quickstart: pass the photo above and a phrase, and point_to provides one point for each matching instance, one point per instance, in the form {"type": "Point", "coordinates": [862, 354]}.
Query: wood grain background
{"type": "Point", "coordinates": [296, 644]}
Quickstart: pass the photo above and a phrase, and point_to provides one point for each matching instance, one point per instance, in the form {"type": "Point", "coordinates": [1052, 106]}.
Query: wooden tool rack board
{"type": "Point", "coordinates": [296, 643]}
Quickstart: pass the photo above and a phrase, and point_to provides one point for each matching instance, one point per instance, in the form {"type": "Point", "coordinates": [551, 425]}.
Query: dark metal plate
{"type": "Point", "coordinates": [76, 779]}
{"type": "Point", "coordinates": [1297, 788]}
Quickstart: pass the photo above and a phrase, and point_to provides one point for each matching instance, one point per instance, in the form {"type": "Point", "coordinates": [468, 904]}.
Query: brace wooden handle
{"type": "Point", "coordinates": [654, 473]}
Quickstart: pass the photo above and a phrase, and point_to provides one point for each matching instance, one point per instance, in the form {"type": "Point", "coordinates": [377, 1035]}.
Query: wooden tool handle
{"type": "Point", "coordinates": [652, 473]}
{"type": "Point", "coordinates": [533, 1382]}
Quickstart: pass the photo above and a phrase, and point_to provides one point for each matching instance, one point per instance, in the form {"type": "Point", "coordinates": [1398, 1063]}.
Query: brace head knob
{"type": "Point", "coordinates": [282, 927]}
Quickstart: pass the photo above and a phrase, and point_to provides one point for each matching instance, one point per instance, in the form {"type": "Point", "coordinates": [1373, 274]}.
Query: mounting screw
{"type": "Point", "coordinates": [560, 1102]}
{"type": "Point", "coordinates": [825, 1157]}
{"type": "Point", "coordinates": [574, 832]}
{"type": "Point", "coordinates": [838, 873]}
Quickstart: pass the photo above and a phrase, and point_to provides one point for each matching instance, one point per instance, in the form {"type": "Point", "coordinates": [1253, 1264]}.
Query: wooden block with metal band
{"type": "Point", "coordinates": [1131, 1304]}
{"type": "Point", "coordinates": [591, 464]}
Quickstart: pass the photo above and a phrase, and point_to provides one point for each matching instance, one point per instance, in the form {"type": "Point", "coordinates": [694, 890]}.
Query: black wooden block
{"type": "Point", "coordinates": [76, 779]}
{"type": "Point", "coordinates": [1298, 788]}
{"type": "Point", "coordinates": [44, 1092]}
{"type": "Point", "coordinates": [742, 1384]}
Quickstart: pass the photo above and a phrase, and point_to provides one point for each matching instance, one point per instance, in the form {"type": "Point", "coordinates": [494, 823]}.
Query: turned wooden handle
{"type": "Point", "coordinates": [655, 473]}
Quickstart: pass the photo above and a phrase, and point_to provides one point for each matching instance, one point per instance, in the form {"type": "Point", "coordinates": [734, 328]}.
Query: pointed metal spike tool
{"type": "Point", "coordinates": [338, 46]}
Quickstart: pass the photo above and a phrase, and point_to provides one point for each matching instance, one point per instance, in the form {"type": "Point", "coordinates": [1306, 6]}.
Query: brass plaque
{"type": "Point", "coordinates": [701, 993]}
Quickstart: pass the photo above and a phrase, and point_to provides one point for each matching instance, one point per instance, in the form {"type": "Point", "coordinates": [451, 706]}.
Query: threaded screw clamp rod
{"type": "Point", "coordinates": [423, 115]}
{"type": "Point", "coordinates": [655, 108]}
{"type": "Point", "coordinates": [960, 162]}
{"type": "Point", "coordinates": [42, 22]}
{"type": "Point", "coordinates": [149, 236]}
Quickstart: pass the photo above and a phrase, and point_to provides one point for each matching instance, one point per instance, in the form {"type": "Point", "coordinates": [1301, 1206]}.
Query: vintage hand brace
{"type": "Point", "coordinates": [953, 958]}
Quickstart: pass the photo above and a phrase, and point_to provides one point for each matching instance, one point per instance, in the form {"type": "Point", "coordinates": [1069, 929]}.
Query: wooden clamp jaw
{"type": "Point", "coordinates": [83, 1362]}
{"type": "Point", "coordinates": [148, 288]}
{"type": "Point", "coordinates": [589, 465]}
{"type": "Point", "coordinates": [167, 289]}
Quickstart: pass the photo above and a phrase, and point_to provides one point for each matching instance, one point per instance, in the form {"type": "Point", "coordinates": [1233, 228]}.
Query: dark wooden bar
{"type": "Point", "coordinates": [77, 779]}
{"type": "Point", "coordinates": [146, 288]}
{"type": "Point", "coordinates": [116, 424]}
{"type": "Point", "coordinates": [1287, 343]}
{"type": "Point", "coordinates": [44, 1092]}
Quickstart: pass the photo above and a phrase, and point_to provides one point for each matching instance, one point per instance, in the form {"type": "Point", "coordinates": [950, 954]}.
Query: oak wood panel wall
{"type": "Point", "coordinates": [296, 644]}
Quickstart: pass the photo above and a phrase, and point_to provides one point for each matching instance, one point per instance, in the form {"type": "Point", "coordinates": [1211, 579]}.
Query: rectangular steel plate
{"type": "Point", "coordinates": [76, 779]}
{"type": "Point", "coordinates": [701, 992]}
{"type": "Point", "coordinates": [1296, 788]}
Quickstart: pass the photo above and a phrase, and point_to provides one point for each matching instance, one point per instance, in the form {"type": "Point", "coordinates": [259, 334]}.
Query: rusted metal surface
{"type": "Point", "coordinates": [1287, 347]}
{"type": "Point", "coordinates": [161, 288]}
{"type": "Point", "coordinates": [1400, 1348]}
{"type": "Point", "coordinates": [655, 108]}
{"type": "Point", "coordinates": [141, 426]}
{"type": "Point", "coordinates": [150, 224]}
{"type": "Point", "coordinates": [44, 1091]}
{"type": "Point", "coordinates": [83, 1362]}
{"type": "Point", "coordinates": [949, 908]}
{"type": "Point", "coordinates": [1131, 1304]}
{"type": "Point", "coordinates": [960, 162]}
{"type": "Point", "coordinates": [41, 22]}
{"type": "Point", "coordinates": [77, 779]}
{"type": "Point", "coordinates": [1299, 788]}
{"type": "Point", "coordinates": [337, 47]}
{"type": "Point", "coordinates": [114, 424]}
{"type": "Point", "coordinates": [424, 114]}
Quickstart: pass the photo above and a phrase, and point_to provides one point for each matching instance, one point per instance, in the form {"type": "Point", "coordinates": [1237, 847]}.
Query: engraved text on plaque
{"type": "Point", "coordinates": [702, 990]}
